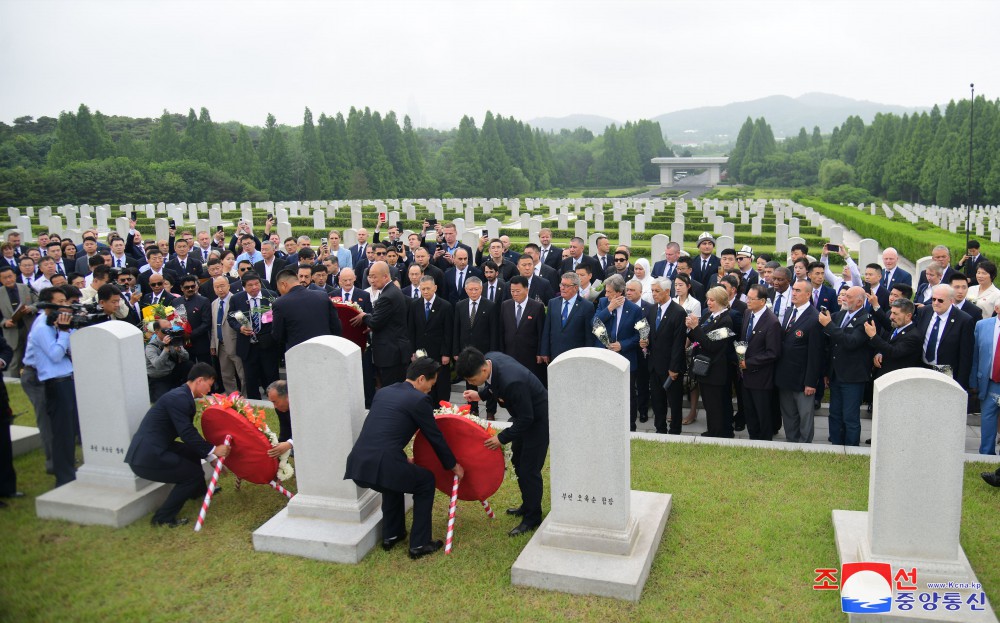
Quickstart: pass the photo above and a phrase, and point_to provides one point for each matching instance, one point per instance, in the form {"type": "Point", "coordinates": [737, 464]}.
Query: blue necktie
{"type": "Point", "coordinates": [220, 318]}
{"type": "Point", "coordinates": [750, 328]}
{"type": "Point", "coordinates": [894, 334]}
{"type": "Point", "coordinates": [427, 310]}
{"type": "Point", "coordinates": [565, 312]}
{"type": "Point", "coordinates": [255, 317]}
{"type": "Point", "coordinates": [659, 316]}
{"type": "Point", "coordinates": [931, 353]}
{"type": "Point", "coordinates": [614, 326]}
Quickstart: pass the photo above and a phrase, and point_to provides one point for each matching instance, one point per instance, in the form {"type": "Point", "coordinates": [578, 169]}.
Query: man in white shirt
{"type": "Point", "coordinates": [48, 268]}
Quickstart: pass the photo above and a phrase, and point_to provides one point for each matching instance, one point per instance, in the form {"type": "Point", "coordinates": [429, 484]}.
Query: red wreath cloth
{"type": "Point", "coordinates": [248, 458]}
{"type": "Point", "coordinates": [347, 331]}
{"type": "Point", "coordinates": [483, 467]}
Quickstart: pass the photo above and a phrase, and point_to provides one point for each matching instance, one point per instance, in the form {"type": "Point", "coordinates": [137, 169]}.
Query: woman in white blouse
{"type": "Point", "coordinates": [985, 294]}
{"type": "Point", "coordinates": [682, 292]}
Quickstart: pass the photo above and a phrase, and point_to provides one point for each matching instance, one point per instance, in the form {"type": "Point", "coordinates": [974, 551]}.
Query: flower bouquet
{"type": "Point", "coordinates": [347, 312]}
{"type": "Point", "coordinates": [601, 332]}
{"type": "Point", "coordinates": [741, 353]}
{"type": "Point", "coordinates": [420, 353]}
{"type": "Point", "coordinates": [722, 333]}
{"type": "Point", "coordinates": [176, 315]}
{"type": "Point", "coordinates": [643, 328]}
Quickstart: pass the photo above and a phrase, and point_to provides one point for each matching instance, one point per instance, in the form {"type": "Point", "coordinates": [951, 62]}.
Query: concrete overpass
{"type": "Point", "coordinates": [669, 165]}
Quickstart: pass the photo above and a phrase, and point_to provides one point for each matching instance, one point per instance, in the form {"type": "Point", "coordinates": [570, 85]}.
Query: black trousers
{"type": "Point", "coordinates": [642, 386]}
{"type": "Point", "coordinates": [442, 389]}
{"type": "Point", "coordinates": [660, 400]}
{"type": "Point", "coordinates": [758, 411]}
{"type": "Point", "coordinates": [284, 425]}
{"type": "Point", "coordinates": [392, 374]}
{"type": "Point", "coordinates": [60, 401]}
{"type": "Point", "coordinates": [8, 477]}
{"type": "Point", "coordinates": [394, 510]}
{"type": "Point", "coordinates": [260, 367]}
{"type": "Point", "coordinates": [187, 476]}
{"type": "Point", "coordinates": [368, 375]}
{"type": "Point", "coordinates": [718, 401]}
{"type": "Point", "coordinates": [528, 462]}
{"type": "Point", "coordinates": [491, 402]}
{"type": "Point", "coordinates": [734, 373]}
{"type": "Point", "coordinates": [633, 412]}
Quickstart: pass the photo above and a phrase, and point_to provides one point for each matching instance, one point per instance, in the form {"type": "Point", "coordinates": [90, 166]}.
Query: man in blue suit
{"type": "Point", "coordinates": [822, 295]}
{"type": "Point", "coordinates": [619, 316]}
{"type": "Point", "coordinates": [505, 380]}
{"type": "Point", "coordinates": [985, 377]}
{"type": "Point", "coordinates": [155, 455]}
{"type": "Point", "coordinates": [569, 321]}
{"type": "Point", "coordinates": [893, 274]}
{"type": "Point", "coordinates": [300, 314]}
{"type": "Point", "coordinates": [378, 460]}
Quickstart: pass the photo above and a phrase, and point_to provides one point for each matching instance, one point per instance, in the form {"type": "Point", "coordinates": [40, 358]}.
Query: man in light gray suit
{"type": "Point", "coordinates": [13, 294]}
{"type": "Point", "coordinates": [230, 364]}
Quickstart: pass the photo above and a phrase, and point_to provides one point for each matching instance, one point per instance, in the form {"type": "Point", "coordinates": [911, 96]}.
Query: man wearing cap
{"type": "Point", "coordinates": [744, 261]}
{"type": "Point", "coordinates": [707, 263]}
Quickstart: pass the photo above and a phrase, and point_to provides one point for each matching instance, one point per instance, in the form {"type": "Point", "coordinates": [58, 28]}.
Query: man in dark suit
{"type": "Point", "coordinates": [270, 266]}
{"type": "Point", "coordinates": [633, 292]}
{"type": "Point", "coordinates": [762, 333]}
{"type": "Point", "coordinates": [665, 346]}
{"type": "Point", "coordinates": [378, 460]}
{"type": "Point", "coordinates": [934, 275]}
{"type": "Point", "coordinates": [800, 368]}
{"type": "Point", "coordinates": [431, 327]}
{"type": "Point", "coordinates": [947, 334]}
{"type": "Point", "coordinates": [391, 347]}
{"type": "Point", "coordinates": [873, 284]}
{"type": "Point", "coordinates": [822, 295]}
{"type": "Point", "coordinates": [604, 258]}
{"type": "Point", "coordinates": [300, 314]}
{"type": "Point", "coordinates": [527, 401]}
{"type": "Point", "coordinates": [155, 455]}
{"type": "Point", "coordinates": [744, 262]}
{"type": "Point", "coordinates": [183, 263]}
{"type": "Point", "coordinates": [550, 254]}
{"type": "Point", "coordinates": [255, 343]}
{"type": "Point", "coordinates": [960, 286]}
{"type": "Point", "coordinates": [423, 260]}
{"type": "Point", "coordinates": [521, 322]}
{"type": "Point", "coordinates": [899, 346]}
{"type": "Point", "coordinates": [156, 267]}
{"type": "Point", "coordinates": [444, 254]}
{"type": "Point", "coordinates": [667, 267]}
{"type": "Point", "coordinates": [942, 257]}
{"type": "Point", "coordinates": [849, 366]}
{"type": "Point", "coordinates": [476, 324]}
{"type": "Point", "coordinates": [577, 256]}
{"type": "Point", "coordinates": [198, 310]}
{"type": "Point", "coordinates": [619, 316]}
{"type": "Point", "coordinates": [969, 263]}
{"type": "Point", "coordinates": [892, 273]}
{"type": "Point", "coordinates": [157, 294]}
{"type": "Point", "coordinates": [495, 289]}
{"type": "Point", "coordinates": [411, 288]}
{"type": "Point", "coordinates": [569, 321]}
{"type": "Point", "coordinates": [539, 289]}
{"type": "Point", "coordinates": [349, 292]}
{"type": "Point", "coordinates": [881, 315]}
{"type": "Point", "coordinates": [455, 276]}
{"type": "Point", "coordinates": [707, 263]}
{"type": "Point", "coordinates": [359, 250]}
{"type": "Point", "coordinates": [541, 269]}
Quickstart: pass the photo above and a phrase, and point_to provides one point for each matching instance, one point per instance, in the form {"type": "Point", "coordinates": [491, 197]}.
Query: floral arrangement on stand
{"type": "Point", "coordinates": [176, 315]}
{"type": "Point", "coordinates": [258, 418]}
{"type": "Point", "coordinates": [336, 300]}
{"type": "Point", "coordinates": [446, 408]}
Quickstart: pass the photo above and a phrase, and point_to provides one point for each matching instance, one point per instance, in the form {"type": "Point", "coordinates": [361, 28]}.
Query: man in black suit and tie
{"type": "Point", "coordinates": [960, 287]}
{"type": "Point", "coordinates": [744, 262]}
{"type": "Point", "coordinates": [849, 366]}
{"type": "Point", "coordinates": [893, 274]}
{"type": "Point", "coordinates": [183, 263]}
{"type": "Point", "coordinates": [667, 267]}
{"type": "Point", "coordinates": [157, 294]}
{"type": "Point", "coordinates": [255, 342]}
{"type": "Point", "coordinates": [948, 335]}
{"type": "Point", "coordinates": [359, 250]}
{"type": "Point", "coordinates": [378, 460]}
{"type": "Point", "coordinates": [423, 260]}
{"type": "Point", "coordinates": [550, 254]}
{"type": "Point", "coordinates": [933, 276]}
{"type": "Point", "coordinates": [476, 324]}
{"type": "Point", "coordinates": [270, 266]}
{"type": "Point", "coordinates": [527, 401]}
{"type": "Point", "coordinates": [633, 292]}
{"type": "Point", "coordinates": [521, 321]}
{"type": "Point", "coordinates": [899, 346]}
{"type": "Point", "coordinates": [603, 257]}
{"type": "Point", "coordinates": [665, 347]}
{"type": "Point", "coordinates": [495, 289]}
{"type": "Point", "coordinates": [455, 276]}
{"type": "Point", "coordinates": [577, 256]}
{"type": "Point", "coordinates": [881, 315]}
{"type": "Point", "coordinates": [391, 347]}
{"type": "Point", "coordinates": [411, 289]}
{"type": "Point", "coordinates": [969, 263]}
{"type": "Point", "coordinates": [762, 333]}
{"type": "Point", "coordinates": [155, 259]}
{"type": "Point", "coordinates": [942, 257]}
{"type": "Point", "coordinates": [541, 269]}
{"type": "Point", "coordinates": [539, 289]}
{"type": "Point", "coordinates": [873, 284]}
{"type": "Point", "coordinates": [431, 327]}
{"type": "Point", "coordinates": [707, 263]}
{"type": "Point", "coordinates": [198, 310]}
{"type": "Point", "coordinates": [569, 321]}
{"type": "Point", "coordinates": [155, 455]}
{"type": "Point", "coordinates": [802, 363]}
{"type": "Point", "coordinates": [300, 314]}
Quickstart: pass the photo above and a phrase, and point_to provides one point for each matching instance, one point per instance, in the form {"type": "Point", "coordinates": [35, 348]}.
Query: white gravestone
{"type": "Point", "coordinates": [640, 223]}
{"type": "Point", "coordinates": [600, 536]}
{"type": "Point", "coordinates": [792, 241]}
{"type": "Point", "coordinates": [122, 226]}
{"type": "Point", "coordinates": [793, 227]}
{"type": "Point", "coordinates": [580, 229]}
{"type": "Point", "coordinates": [922, 264]}
{"type": "Point", "coordinates": [563, 220]}
{"type": "Point", "coordinates": [625, 233]}
{"type": "Point", "coordinates": [162, 226]}
{"type": "Point", "coordinates": [150, 211]}
{"type": "Point", "coordinates": [755, 226]}
{"type": "Point", "coordinates": [350, 238]}
{"type": "Point", "coordinates": [868, 253]}
{"type": "Point", "coordinates": [214, 217]}
{"type": "Point", "coordinates": [23, 225]}
{"type": "Point", "coordinates": [534, 226]}
{"type": "Point", "coordinates": [71, 215]}
{"type": "Point", "coordinates": [329, 518]}
{"type": "Point", "coordinates": [908, 525]}
{"type": "Point", "coordinates": [112, 397]}
{"type": "Point", "coordinates": [724, 242]}
{"type": "Point", "coordinates": [284, 229]}
{"type": "Point", "coordinates": [319, 220]}
{"type": "Point", "coordinates": [677, 233]}
{"type": "Point", "coordinates": [493, 225]}
{"type": "Point", "coordinates": [658, 245]}
{"type": "Point", "coordinates": [780, 237]}
{"type": "Point", "coordinates": [599, 219]}
{"type": "Point", "coordinates": [729, 230]}
{"type": "Point", "coordinates": [356, 220]}
{"type": "Point", "coordinates": [102, 219]}
{"type": "Point", "coordinates": [836, 234]}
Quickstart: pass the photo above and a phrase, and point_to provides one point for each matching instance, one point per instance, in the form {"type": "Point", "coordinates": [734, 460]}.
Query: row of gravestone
{"type": "Point", "coordinates": [599, 537]}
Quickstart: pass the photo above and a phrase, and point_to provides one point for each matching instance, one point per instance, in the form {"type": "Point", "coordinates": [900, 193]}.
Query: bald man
{"type": "Point", "coordinates": [849, 367]}
{"type": "Point", "coordinates": [300, 314]}
{"type": "Point", "coordinates": [391, 348]}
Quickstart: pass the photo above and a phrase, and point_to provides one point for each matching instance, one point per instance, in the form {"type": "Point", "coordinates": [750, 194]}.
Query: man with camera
{"type": "Point", "coordinates": [48, 353]}
{"type": "Point", "coordinates": [167, 361]}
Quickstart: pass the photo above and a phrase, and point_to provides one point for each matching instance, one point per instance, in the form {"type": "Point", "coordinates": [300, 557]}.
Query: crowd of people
{"type": "Point", "coordinates": [710, 326]}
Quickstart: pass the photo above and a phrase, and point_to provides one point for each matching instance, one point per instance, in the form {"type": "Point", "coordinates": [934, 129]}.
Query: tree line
{"type": "Point", "coordinates": [917, 158]}
{"type": "Point", "coordinates": [86, 156]}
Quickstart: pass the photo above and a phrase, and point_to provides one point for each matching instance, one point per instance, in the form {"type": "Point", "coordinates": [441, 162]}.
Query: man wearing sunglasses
{"type": "Point", "coordinates": [947, 333]}
{"type": "Point", "coordinates": [379, 252]}
{"type": "Point", "coordinates": [158, 294]}
{"type": "Point", "coordinates": [198, 310]}
{"type": "Point", "coordinates": [622, 266]}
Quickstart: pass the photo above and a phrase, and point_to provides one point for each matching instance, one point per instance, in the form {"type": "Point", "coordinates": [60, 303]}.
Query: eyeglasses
{"type": "Point", "coordinates": [155, 284]}
{"type": "Point", "coordinates": [189, 287]}
{"type": "Point", "coordinates": [244, 269]}
{"type": "Point", "coordinates": [934, 300]}
{"type": "Point", "coordinates": [620, 259]}
{"type": "Point", "coordinates": [379, 253]}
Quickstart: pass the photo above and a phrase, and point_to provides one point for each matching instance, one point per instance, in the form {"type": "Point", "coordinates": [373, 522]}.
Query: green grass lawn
{"type": "Point", "coordinates": [747, 529]}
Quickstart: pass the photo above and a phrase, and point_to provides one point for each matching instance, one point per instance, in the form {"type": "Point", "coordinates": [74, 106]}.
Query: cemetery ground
{"type": "Point", "coordinates": [747, 528]}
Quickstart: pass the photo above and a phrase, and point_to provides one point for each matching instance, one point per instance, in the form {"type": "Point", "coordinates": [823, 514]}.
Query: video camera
{"type": "Point", "coordinates": [82, 315]}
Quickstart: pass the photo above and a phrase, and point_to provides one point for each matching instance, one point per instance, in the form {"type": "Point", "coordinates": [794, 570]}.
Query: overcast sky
{"type": "Point", "coordinates": [439, 60]}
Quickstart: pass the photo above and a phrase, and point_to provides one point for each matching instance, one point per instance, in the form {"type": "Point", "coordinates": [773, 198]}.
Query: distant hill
{"type": "Point", "coordinates": [721, 124]}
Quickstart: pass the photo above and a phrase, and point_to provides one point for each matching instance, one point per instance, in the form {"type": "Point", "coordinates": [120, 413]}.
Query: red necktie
{"type": "Point", "coordinates": [996, 364]}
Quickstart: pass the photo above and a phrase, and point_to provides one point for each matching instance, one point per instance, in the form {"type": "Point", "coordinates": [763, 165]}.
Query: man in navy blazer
{"type": "Point", "coordinates": [667, 267]}
{"type": "Point", "coordinates": [667, 335]}
{"type": "Point", "coordinates": [391, 347]}
{"type": "Point", "coordinates": [762, 333]}
{"type": "Point", "coordinates": [569, 321]}
{"type": "Point", "coordinates": [521, 333]}
{"type": "Point", "coordinates": [300, 314]}
{"type": "Point", "coordinates": [155, 455]}
{"type": "Point", "coordinates": [960, 284]}
{"type": "Point", "coordinates": [849, 368]}
{"type": "Point", "coordinates": [255, 343]}
{"type": "Point", "coordinates": [431, 324]}
{"type": "Point", "coordinates": [800, 368]}
{"type": "Point", "coordinates": [942, 257]}
{"type": "Point", "coordinates": [378, 460]}
{"type": "Point", "coordinates": [706, 263]}
{"type": "Point", "coordinates": [952, 330]}
{"type": "Point", "coordinates": [898, 346]}
{"type": "Point", "coordinates": [892, 273]}
{"type": "Point", "coordinates": [821, 295]}
{"type": "Point", "coordinates": [527, 401]}
{"type": "Point", "coordinates": [619, 315]}
{"type": "Point", "coordinates": [985, 380]}
{"type": "Point", "coordinates": [455, 276]}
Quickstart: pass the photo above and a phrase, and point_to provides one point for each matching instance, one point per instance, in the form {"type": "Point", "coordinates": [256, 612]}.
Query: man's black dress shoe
{"type": "Point", "coordinates": [389, 543]}
{"type": "Point", "coordinates": [423, 550]}
{"type": "Point", "coordinates": [170, 524]}
{"type": "Point", "coordinates": [16, 494]}
{"type": "Point", "coordinates": [991, 478]}
{"type": "Point", "coordinates": [521, 529]}
{"type": "Point", "coordinates": [3, 504]}
{"type": "Point", "coordinates": [643, 418]}
{"type": "Point", "coordinates": [517, 512]}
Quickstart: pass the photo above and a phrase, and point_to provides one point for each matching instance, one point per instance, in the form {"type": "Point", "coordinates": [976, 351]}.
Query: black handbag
{"type": "Point", "coordinates": [700, 365]}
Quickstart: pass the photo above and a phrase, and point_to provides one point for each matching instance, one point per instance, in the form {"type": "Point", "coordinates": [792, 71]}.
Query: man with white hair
{"type": "Point", "coordinates": [849, 369]}
{"type": "Point", "coordinates": [893, 274]}
{"type": "Point", "coordinates": [665, 345]}
{"type": "Point", "coordinates": [947, 334]}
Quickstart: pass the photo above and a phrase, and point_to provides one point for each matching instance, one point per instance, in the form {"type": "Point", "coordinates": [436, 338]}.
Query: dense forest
{"type": "Point", "coordinates": [919, 158]}
{"type": "Point", "coordinates": [89, 157]}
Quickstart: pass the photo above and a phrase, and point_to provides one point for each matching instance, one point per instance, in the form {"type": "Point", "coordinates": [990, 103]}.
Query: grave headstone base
{"type": "Point", "coordinates": [319, 539]}
{"type": "Point", "coordinates": [84, 503]}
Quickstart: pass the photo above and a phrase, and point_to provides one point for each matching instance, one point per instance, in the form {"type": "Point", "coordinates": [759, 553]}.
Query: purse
{"type": "Point", "coordinates": [700, 365]}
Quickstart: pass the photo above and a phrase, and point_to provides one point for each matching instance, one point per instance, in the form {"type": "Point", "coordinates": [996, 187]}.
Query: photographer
{"type": "Point", "coordinates": [167, 362]}
{"type": "Point", "coordinates": [48, 353]}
